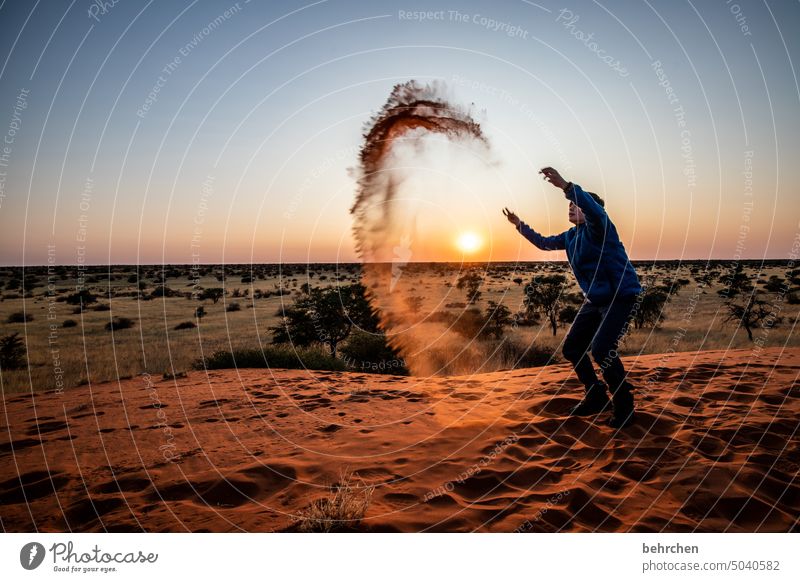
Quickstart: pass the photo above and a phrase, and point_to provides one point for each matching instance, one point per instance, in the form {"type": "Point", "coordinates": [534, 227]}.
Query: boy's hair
{"type": "Point", "coordinates": [597, 199]}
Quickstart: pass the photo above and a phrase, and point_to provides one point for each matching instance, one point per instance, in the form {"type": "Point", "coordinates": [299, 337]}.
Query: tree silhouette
{"type": "Point", "coordinates": [213, 293]}
{"type": "Point", "coordinates": [546, 295]}
{"type": "Point", "coordinates": [82, 297]}
{"type": "Point", "coordinates": [471, 281]}
{"type": "Point", "coordinates": [327, 316]}
{"type": "Point", "coordinates": [745, 303]}
{"type": "Point", "coordinates": [12, 352]}
{"type": "Point", "coordinates": [751, 313]}
{"type": "Point", "coordinates": [497, 317]}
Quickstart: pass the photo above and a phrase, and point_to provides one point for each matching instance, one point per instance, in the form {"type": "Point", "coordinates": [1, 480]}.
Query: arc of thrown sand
{"type": "Point", "coordinates": [372, 209]}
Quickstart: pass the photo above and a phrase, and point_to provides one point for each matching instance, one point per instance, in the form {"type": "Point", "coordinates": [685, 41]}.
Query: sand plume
{"type": "Point", "coordinates": [397, 140]}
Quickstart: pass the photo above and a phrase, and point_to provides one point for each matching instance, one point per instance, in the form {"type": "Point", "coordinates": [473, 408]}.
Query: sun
{"type": "Point", "coordinates": [468, 242]}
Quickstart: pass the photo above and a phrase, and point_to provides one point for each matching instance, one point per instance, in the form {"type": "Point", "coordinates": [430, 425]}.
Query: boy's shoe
{"type": "Point", "coordinates": [623, 414]}
{"type": "Point", "coordinates": [595, 401]}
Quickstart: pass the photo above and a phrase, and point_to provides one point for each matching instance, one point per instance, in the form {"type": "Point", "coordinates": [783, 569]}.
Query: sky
{"type": "Point", "coordinates": [227, 132]}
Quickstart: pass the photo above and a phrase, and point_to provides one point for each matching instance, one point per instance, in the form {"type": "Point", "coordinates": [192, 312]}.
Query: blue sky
{"type": "Point", "coordinates": [216, 131]}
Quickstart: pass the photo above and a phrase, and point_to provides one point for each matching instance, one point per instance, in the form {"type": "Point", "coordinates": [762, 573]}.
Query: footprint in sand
{"type": "Point", "coordinates": [249, 485]}
{"type": "Point", "coordinates": [88, 514]}
{"type": "Point", "coordinates": [400, 500]}
{"type": "Point", "coordinates": [123, 484]}
{"type": "Point", "coordinates": [31, 486]}
{"type": "Point", "coordinates": [330, 428]}
{"type": "Point", "coordinates": [45, 427]}
{"type": "Point", "coordinates": [89, 415]}
{"type": "Point", "coordinates": [213, 403]}
{"type": "Point", "coordinates": [18, 445]}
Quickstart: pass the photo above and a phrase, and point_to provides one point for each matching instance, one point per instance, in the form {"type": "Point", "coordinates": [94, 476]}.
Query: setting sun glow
{"type": "Point", "coordinates": [468, 242]}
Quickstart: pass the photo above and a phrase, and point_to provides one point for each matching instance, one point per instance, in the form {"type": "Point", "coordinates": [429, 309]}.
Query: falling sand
{"type": "Point", "coordinates": [396, 144]}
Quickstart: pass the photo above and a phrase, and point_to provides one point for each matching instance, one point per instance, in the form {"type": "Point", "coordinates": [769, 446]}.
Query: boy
{"type": "Point", "coordinates": [610, 286]}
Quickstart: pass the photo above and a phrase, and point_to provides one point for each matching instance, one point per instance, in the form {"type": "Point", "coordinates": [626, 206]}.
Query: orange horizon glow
{"type": "Point", "coordinates": [468, 242]}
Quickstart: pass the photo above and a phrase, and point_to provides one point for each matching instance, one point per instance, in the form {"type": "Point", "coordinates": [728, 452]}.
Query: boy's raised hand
{"type": "Point", "coordinates": [554, 177]}
{"type": "Point", "coordinates": [512, 218]}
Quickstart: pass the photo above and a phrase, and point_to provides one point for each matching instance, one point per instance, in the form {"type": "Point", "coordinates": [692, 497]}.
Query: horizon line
{"type": "Point", "coordinates": [694, 260]}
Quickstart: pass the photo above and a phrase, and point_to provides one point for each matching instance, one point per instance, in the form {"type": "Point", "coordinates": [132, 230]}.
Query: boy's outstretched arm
{"type": "Point", "coordinates": [591, 209]}
{"type": "Point", "coordinates": [596, 216]}
{"type": "Point", "coordinates": [546, 243]}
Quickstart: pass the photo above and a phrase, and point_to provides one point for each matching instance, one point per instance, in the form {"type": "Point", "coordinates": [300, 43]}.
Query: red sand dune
{"type": "Point", "coordinates": [715, 449]}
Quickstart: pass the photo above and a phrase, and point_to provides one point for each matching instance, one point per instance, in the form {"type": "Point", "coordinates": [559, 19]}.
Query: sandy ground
{"type": "Point", "coordinates": [716, 448]}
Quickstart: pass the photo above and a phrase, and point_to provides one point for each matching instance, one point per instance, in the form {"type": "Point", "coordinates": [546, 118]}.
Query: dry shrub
{"type": "Point", "coordinates": [514, 354]}
{"type": "Point", "coordinates": [342, 510]}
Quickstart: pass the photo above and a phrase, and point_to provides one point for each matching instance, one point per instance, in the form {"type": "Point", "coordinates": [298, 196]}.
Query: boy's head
{"type": "Point", "coordinates": [576, 214]}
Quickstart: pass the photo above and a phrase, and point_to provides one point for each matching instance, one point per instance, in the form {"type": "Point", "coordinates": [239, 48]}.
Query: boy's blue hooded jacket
{"type": "Point", "coordinates": [594, 251]}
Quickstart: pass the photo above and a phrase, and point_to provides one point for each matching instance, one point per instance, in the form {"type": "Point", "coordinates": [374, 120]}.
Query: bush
{"type": "Point", "coordinates": [233, 307]}
{"type": "Point", "coordinates": [81, 298]}
{"type": "Point", "coordinates": [185, 325]}
{"type": "Point", "coordinates": [471, 281]}
{"type": "Point", "coordinates": [162, 291]}
{"type": "Point", "coordinates": [343, 510]}
{"type": "Point", "coordinates": [325, 315]}
{"type": "Point", "coordinates": [118, 323]}
{"type": "Point", "coordinates": [69, 323]}
{"type": "Point", "coordinates": [101, 307]}
{"type": "Point", "coordinates": [369, 352]}
{"type": "Point", "coordinates": [650, 312]}
{"type": "Point", "coordinates": [214, 293]}
{"type": "Point", "coordinates": [527, 319]}
{"type": "Point", "coordinates": [12, 352]}
{"type": "Point", "coordinates": [497, 316]}
{"type": "Point", "coordinates": [514, 354]}
{"type": "Point", "coordinates": [469, 323]}
{"type": "Point", "coordinates": [547, 295]}
{"type": "Point", "coordinates": [271, 357]}
{"type": "Point", "coordinates": [19, 317]}
{"type": "Point", "coordinates": [442, 317]}
{"type": "Point", "coordinates": [567, 314]}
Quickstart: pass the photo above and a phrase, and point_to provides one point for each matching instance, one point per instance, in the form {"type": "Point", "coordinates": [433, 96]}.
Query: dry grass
{"type": "Point", "coordinates": [87, 352]}
{"type": "Point", "coordinates": [342, 510]}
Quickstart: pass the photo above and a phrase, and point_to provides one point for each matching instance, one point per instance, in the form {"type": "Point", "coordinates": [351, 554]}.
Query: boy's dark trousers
{"type": "Point", "coordinates": [598, 329]}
